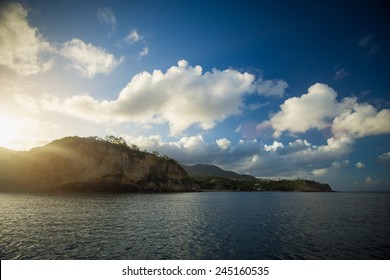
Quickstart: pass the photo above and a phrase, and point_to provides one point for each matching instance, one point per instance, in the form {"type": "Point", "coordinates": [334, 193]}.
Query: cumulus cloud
{"type": "Point", "coordinates": [107, 16]}
{"type": "Point", "coordinates": [194, 149]}
{"type": "Point", "coordinates": [319, 109]}
{"type": "Point", "coordinates": [320, 172]}
{"type": "Point", "coordinates": [360, 120]}
{"type": "Point", "coordinates": [22, 47]}
{"type": "Point", "coordinates": [312, 110]}
{"type": "Point", "coordinates": [187, 150]}
{"type": "Point", "coordinates": [182, 96]}
{"type": "Point", "coordinates": [292, 147]}
{"type": "Point", "coordinates": [280, 160]}
{"type": "Point", "coordinates": [223, 143]}
{"type": "Point", "coordinates": [88, 59]}
{"type": "Point", "coordinates": [275, 146]}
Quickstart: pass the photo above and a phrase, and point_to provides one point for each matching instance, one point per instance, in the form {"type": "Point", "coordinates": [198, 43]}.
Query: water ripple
{"type": "Point", "coordinates": [196, 226]}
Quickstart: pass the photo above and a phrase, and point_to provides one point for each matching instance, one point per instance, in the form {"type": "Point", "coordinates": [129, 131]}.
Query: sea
{"type": "Point", "coordinates": [204, 225]}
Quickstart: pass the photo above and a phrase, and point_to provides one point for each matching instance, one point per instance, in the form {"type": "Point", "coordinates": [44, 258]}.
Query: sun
{"type": "Point", "coordinates": [8, 132]}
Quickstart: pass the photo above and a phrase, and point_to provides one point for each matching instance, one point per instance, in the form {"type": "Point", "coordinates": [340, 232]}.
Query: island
{"type": "Point", "coordinates": [213, 178]}
{"type": "Point", "coordinates": [94, 164]}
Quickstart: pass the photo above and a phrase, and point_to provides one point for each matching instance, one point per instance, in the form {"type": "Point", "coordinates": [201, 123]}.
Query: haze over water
{"type": "Point", "coordinates": [231, 225]}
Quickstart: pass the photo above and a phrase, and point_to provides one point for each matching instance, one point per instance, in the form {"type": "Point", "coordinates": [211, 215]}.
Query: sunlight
{"type": "Point", "coordinates": [8, 132]}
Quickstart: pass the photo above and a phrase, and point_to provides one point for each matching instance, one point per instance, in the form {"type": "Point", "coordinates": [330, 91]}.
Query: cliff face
{"type": "Point", "coordinates": [89, 164]}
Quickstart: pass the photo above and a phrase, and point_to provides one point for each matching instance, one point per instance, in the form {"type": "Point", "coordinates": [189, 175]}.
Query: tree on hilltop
{"type": "Point", "coordinates": [116, 140]}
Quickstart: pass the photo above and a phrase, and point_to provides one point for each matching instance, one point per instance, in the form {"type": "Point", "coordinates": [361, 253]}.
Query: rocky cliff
{"type": "Point", "coordinates": [90, 164]}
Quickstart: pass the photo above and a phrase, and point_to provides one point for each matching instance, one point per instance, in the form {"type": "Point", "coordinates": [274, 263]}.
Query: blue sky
{"type": "Point", "coordinates": [275, 89]}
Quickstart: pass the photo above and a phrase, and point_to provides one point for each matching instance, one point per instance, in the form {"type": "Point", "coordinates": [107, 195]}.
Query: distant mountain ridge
{"type": "Point", "coordinates": [213, 170]}
{"type": "Point", "coordinates": [212, 178]}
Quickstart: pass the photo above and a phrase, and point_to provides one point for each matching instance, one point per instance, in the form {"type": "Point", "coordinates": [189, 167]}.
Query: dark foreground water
{"type": "Point", "coordinates": [263, 225]}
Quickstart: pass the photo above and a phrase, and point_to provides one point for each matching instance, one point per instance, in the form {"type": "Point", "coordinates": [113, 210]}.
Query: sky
{"type": "Point", "coordinates": [275, 89]}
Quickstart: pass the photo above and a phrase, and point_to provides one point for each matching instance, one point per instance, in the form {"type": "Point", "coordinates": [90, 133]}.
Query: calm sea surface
{"type": "Point", "coordinates": [224, 225]}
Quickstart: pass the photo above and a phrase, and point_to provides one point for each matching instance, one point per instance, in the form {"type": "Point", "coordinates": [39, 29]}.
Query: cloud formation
{"type": "Point", "coordinates": [22, 47]}
{"type": "Point", "coordinates": [319, 103]}
{"type": "Point", "coordinates": [360, 120]}
{"type": "Point", "coordinates": [271, 87]}
{"type": "Point", "coordinates": [181, 97]}
{"type": "Point", "coordinates": [319, 109]}
{"type": "Point", "coordinates": [298, 158]}
{"type": "Point", "coordinates": [144, 52]}
{"type": "Point", "coordinates": [223, 143]}
{"type": "Point", "coordinates": [133, 37]}
{"type": "Point", "coordinates": [88, 59]}
{"type": "Point", "coordinates": [107, 16]}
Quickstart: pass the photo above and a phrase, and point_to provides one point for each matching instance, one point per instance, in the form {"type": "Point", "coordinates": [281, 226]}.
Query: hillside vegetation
{"type": "Point", "coordinates": [90, 164]}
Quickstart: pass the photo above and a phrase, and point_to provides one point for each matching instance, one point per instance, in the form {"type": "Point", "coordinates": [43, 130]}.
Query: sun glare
{"type": "Point", "coordinates": [7, 132]}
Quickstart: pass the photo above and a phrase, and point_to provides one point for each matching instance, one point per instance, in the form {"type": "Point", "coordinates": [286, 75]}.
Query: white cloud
{"type": "Point", "coordinates": [271, 87]}
{"type": "Point", "coordinates": [88, 59]}
{"type": "Point", "coordinates": [188, 149]}
{"type": "Point", "coordinates": [360, 120]}
{"type": "Point", "coordinates": [275, 145]}
{"type": "Point", "coordinates": [107, 16]}
{"type": "Point", "coordinates": [257, 106]}
{"type": "Point", "coordinates": [83, 106]}
{"type": "Point", "coordinates": [347, 120]}
{"type": "Point", "coordinates": [22, 47]}
{"type": "Point", "coordinates": [283, 161]}
{"type": "Point", "coordinates": [223, 143]}
{"type": "Point", "coordinates": [311, 110]}
{"type": "Point", "coordinates": [292, 147]}
{"type": "Point", "coordinates": [193, 144]}
{"type": "Point", "coordinates": [133, 37]}
{"type": "Point", "coordinates": [182, 96]}
{"type": "Point", "coordinates": [27, 102]}
{"type": "Point", "coordinates": [359, 165]}
{"type": "Point", "coordinates": [319, 109]}
{"type": "Point", "coordinates": [320, 172]}
{"type": "Point", "coordinates": [295, 159]}
{"type": "Point", "coordinates": [144, 52]}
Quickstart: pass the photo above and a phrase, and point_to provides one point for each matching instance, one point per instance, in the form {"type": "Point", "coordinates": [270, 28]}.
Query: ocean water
{"type": "Point", "coordinates": [210, 225]}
